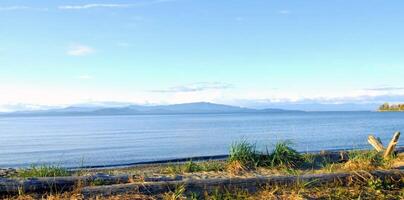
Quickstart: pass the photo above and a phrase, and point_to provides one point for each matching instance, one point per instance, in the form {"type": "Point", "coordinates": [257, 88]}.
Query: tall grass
{"type": "Point", "coordinates": [285, 156]}
{"type": "Point", "coordinates": [43, 171]}
{"type": "Point", "coordinates": [244, 154]}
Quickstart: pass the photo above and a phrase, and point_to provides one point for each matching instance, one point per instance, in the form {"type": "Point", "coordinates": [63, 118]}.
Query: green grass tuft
{"type": "Point", "coordinates": [244, 153]}
{"type": "Point", "coordinates": [215, 166]}
{"type": "Point", "coordinates": [43, 171]}
{"type": "Point", "coordinates": [372, 156]}
{"type": "Point", "coordinates": [190, 167]}
{"type": "Point", "coordinates": [285, 156]}
{"type": "Point", "coordinates": [365, 160]}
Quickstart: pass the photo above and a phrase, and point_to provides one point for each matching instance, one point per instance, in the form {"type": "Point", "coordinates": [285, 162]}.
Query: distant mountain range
{"type": "Point", "coordinates": [186, 108]}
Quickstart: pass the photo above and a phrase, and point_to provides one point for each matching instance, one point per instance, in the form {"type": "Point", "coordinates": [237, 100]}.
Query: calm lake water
{"type": "Point", "coordinates": [109, 140]}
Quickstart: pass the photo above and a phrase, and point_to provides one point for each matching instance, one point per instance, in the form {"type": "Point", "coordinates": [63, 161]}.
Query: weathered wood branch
{"type": "Point", "coordinates": [392, 145]}
{"type": "Point", "coordinates": [375, 143]}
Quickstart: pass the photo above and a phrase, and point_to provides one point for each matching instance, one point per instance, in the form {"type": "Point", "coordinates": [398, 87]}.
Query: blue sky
{"type": "Point", "coordinates": [239, 52]}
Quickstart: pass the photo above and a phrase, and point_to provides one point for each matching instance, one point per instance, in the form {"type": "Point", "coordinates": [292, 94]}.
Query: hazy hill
{"type": "Point", "coordinates": [187, 108]}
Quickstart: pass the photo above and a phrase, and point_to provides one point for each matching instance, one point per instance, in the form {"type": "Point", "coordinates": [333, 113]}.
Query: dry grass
{"type": "Point", "coordinates": [177, 194]}
{"type": "Point", "coordinates": [72, 196]}
{"type": "Point", "coordinates": [235, 168]}
{"type": "Point", "coordinates": [64, 196]}
{"type": "Point", "coordinates": [365, 160]}
{"type": "Point", "coordinates": [337, 193]}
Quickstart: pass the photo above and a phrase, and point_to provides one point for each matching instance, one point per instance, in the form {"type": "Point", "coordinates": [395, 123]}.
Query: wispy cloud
{"type": "Point", "coordinates": [284, 12]}
{"type": "Point", "coordinates": [354, 103]}
{"type": "Point", "coordinates": [80, 50]}
{"type": "Point", "coordinates": [196, 87]}
{"type": "Point", "coordinates": [7, 8]}
{"type": "Point", "coordinates": [111, 5]}
{"type": "Point", "coordinates": [23, 107]}
{"type": "Point", "coordinates": [18, 7]}
{"type": "Point", "coordinates": [352, 99]}
{"type": "Point", "coordinates": [240, 19]}
{"type": "Point", "coordinates": [385, 88]}
{"type": "Point", "coordinates": [122, 44]}
{"type": "Point", "coordinates": [85, 77]}
{"type": "Point", "coordinates": [88, 6]}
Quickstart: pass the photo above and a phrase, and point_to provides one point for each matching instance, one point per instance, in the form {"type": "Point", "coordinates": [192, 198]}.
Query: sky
{"type": "Point", "coordinates": [237, 52]}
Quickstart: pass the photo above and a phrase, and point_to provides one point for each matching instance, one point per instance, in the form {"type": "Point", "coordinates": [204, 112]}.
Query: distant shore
{"type": "Point", "coordinates": [386, 107]}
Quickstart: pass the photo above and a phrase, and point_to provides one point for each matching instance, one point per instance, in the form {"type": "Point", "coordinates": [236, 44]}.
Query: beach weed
{"type": "Point", "coordinates": [43, 171]}
{"type": "Point", "coordinates": [244, 154]}
{"type": "Point", "coordinates": [215, 166]}
{"type": "Point", "coordinates": [191, 167]}
{"type": "Point", "coordinates": [285, 156]}
{"type": "Point", "coordinates": [173, 169]}
{"type": "Point", "coordinates": [177, 194]}
{"type": "Point", "coordinates": [364, 160]}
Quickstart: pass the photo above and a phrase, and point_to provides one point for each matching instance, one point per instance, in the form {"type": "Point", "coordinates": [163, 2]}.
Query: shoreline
{"type": "Point", "coordinates": [399, 149]}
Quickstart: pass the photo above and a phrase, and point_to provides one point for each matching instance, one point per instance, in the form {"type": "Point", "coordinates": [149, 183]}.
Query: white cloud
{"type": "Point", "coordinates": [111, 5]}
{"type": "Point", "coordinates": [385, 88]}
{"type": "Point", "coordinates": [88, 6]}
{"type": "Point", "coordinates": [23, 107]}
{"type": "Point", "coordinates": [196, 87]}
{"type": "Point", "coordinates": [9, 8]}
{"type": "Point", "coordinates": [84, 77]}
{"type": "Point", "coordinates": [285, 12]}
{"type": "Point", "coordinates": [21, 8]}
{"type": "Point", "coordinates": [80, 50]}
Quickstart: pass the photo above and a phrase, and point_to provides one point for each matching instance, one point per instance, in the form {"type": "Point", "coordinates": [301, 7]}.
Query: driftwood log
{"type": "Point", "coordinates": [249, 184]}
{"type": "Point", "coordinates": [375, 143]}
{"type": "Point", "coordinates": [57, 184]}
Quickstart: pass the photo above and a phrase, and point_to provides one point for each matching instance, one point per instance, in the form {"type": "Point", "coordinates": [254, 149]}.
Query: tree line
{"type": "Point", "coordinates": [391, 107]}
